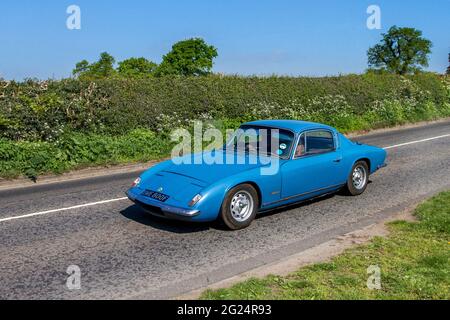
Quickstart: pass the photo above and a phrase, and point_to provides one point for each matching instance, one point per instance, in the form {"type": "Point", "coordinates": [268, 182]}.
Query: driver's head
{"type": "Point", "coordinates": [300, 150]}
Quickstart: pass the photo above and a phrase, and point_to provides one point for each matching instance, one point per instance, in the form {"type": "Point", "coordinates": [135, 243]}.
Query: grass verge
{"type": "Point", "coordinates": [414, 262]}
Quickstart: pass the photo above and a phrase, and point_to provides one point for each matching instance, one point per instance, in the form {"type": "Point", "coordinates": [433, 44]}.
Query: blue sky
{"type": "Point", "coordinates": [289, 37]}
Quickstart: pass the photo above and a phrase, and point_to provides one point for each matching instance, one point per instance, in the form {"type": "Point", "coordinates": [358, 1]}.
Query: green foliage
{"type": "Point", "coordinates": [401, 51]}
{"type": "Point", "coordinates": [103, 68]}
{"type": "Point", "coordinates": [43, 111]}
{"type": "Point", "coordinates": [192, 57]}
{"type": "Point", "coordinates": [81, 68]}
{"type": "Point", "coordinates": [55, 114]}
{"type": "Point", "coordinates": [414, 262]}
{"type": "Point", "coordinates": [75, 150]}
{"type": "Point", "coordinates": [136, 67]}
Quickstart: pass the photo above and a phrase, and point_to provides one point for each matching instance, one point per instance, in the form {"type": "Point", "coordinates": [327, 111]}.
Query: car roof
{"type": "Point", "coordinates": [293, 125]}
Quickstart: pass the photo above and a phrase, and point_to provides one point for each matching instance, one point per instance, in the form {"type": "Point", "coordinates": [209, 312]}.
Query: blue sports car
{"type": "Point", "coordinates": [299, 160]}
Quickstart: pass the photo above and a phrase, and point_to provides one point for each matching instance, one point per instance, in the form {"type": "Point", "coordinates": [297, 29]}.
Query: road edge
{"type": "Point", "coordinates": [411, 125]}
{"type": "Point", "coordinates": [90, 172]}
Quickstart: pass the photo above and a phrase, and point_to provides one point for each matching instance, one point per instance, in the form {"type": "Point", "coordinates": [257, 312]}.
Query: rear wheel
{"type": "Point", "coordinates": [358, 178]}
{"type": "Point", "coordinates": [240, 207]}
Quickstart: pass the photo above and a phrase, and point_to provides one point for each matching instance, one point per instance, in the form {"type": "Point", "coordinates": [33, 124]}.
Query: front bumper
{"type": "Point", "coordinates": [157, 208]}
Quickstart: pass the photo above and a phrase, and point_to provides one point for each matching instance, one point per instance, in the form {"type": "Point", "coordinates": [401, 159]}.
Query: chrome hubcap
{"type": "Point", "coordinates": [241, 206]}
{"type": "Point", "coordinates": [359, 177]}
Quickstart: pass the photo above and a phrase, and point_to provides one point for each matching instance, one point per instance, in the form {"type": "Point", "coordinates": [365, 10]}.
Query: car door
{"type": "Point", "coordinates": [314, 166]}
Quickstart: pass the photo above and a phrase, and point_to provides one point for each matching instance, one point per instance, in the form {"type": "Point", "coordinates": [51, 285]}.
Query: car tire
{"type": "Point", "coordinates": [239, 207]}
{"type": "Point", "coordinates": [358, 179]}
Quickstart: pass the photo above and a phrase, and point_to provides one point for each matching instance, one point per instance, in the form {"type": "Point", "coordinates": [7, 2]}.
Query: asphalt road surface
{"type": "Point", "coordinates": [124, 253]}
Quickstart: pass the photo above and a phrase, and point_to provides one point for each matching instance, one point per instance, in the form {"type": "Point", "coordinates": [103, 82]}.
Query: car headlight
{"type": "Point", "coordinates": [194, 200]}
{"type": "Point", "coordinates": [136, 182]}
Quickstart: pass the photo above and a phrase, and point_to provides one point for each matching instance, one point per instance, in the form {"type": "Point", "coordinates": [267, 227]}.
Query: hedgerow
{"type": "Point", "coordinates": [44, 110]}
{"type": "Point", "coordinates": [58, 125]}
{"type": "Point", "coordinates": [76, 150]}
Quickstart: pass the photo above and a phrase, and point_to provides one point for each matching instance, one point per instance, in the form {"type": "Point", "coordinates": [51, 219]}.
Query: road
{"type": "Point", "coordinates": [124, 253]}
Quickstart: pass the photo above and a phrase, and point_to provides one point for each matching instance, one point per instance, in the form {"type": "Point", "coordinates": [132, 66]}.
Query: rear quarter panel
{"type": "Point", "coordinates": [352, 152]}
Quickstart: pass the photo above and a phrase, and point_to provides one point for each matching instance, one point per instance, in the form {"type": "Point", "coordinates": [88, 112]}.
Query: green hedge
{"type": "Point", "coordinates": [42, 111]}
{"type": "Point", "coordinates": [53, 126]}
{"type": "Point", "coordinates": [75, 150]}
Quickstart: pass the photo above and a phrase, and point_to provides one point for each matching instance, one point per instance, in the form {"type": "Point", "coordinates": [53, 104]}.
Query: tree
{"type": "Point", "coordinates": [136, 67]}
{"type": "Point", "coordinates": [103, 68]}
{"type": "Point", "coordinates": [401, 51]}
{"type": "Point", "coordinates": [80, 68]}
{"type": "Point", "coordinates": [192, 57]}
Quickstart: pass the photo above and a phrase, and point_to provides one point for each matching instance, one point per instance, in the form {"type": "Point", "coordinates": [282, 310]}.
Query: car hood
{"type": "Point", "coordinates": [227, 164]}
{"type": "Point", "coordinates": [177, 186]}
{"type": "Point", "coordinates": [184, 177]}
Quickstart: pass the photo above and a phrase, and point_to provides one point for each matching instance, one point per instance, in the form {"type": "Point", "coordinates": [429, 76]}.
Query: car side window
{"type": "Point", "coordinates": [314, 142]}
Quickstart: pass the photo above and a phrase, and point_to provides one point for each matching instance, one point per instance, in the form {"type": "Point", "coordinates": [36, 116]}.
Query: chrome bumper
{"type": "Point", "coordinates": [165, 209]}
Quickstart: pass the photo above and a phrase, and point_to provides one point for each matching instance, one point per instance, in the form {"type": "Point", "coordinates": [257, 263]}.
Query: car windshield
{"type": "Point", "coordinates": [262, 140]}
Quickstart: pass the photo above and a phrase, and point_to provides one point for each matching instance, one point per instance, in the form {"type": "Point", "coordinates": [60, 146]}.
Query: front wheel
{"type": "Point", "coordinates": [358, 178]}
{"type": "Point", "coordinates": [239, 207]}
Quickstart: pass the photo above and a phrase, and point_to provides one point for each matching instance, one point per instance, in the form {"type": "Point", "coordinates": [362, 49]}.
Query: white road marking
{"type": "Point", "coordinates": [417, 141]}
{"type": "Point", "coordinates": [62, 209]}
{"type": "Point", "coordinates": [125, 198]}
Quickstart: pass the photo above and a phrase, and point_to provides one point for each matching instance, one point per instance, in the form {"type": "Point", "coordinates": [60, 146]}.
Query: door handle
{"type": "Point", "coordinates": [338, 159]}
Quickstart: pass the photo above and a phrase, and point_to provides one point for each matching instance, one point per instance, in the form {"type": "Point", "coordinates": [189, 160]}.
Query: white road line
{"type": "Point", "coordinates": [125, 198]}
{"type": "Point", "coordinates": [62, 209]}
{"type": "Point", "coordinates": [417, 141]}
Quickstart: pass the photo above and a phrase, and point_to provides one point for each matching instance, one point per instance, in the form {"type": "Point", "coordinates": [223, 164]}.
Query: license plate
{"type": "Point", "coordinates": [155, 195]}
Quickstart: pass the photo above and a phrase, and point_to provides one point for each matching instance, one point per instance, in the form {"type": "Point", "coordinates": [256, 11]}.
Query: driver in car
{"type": "Point", "coordinates": [300, 150]}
